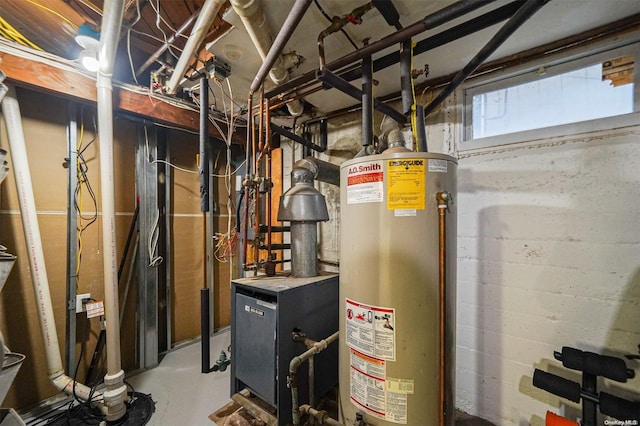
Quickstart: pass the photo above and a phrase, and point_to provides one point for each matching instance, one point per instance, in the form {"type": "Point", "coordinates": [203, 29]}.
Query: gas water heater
{"type": "Point", "coordinates": [397, 289]}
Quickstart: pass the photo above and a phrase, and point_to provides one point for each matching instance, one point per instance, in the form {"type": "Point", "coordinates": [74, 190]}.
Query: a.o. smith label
{"type": "Point", "coordinates": [365, 183]}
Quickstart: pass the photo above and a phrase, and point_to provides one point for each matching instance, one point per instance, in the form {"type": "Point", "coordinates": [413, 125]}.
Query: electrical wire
{"type": "Point", "coordinates": [58, 14]}
{"type": "Point", "coordinates": [133, 71]}
{"type": "Point", "coordinates": [10, 33]}
{"type": "Point", "coordinates": [90, 5]}
{"type": "Point", "coordinates": [414, 120]}
{"type": "Point", "coordinates": [91, 417]}
{"type": "Point", "coordinates": [164, 34]}
{"type": "Point", "coordinates": [154, 233]}
{"type": "Point", "coordinates": [428, 101]}
{"type": "Point", "coordinates": [82, 180]}
{"type": "Point", "coordinates": [158, 39]}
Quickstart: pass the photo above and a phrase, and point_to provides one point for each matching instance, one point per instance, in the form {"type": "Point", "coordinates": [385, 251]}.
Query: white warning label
{"type": "Point", "coordinates": [371, 329]}
{"type": "Point", "coordinates": [438, 166]}
{"type": "Point", "coordinates": [365, 183]}
{"type": "Point", "coordinates": [372, 392]}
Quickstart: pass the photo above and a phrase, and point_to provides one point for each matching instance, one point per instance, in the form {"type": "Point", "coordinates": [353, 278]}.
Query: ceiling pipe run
{"type": "Point", "coordinates": [429, 22]}
{"type": "Point", "coordinates": [116, 391]}
{"type": "Point", "coordinates": [520, 17]}
{"type": "Point", "coordinates": [186, 24]}
{"type": "Point", "coordinates": [205, 19]}
{"type": "Point", "coordinates": [254, 20]}
{"type": "Point", "coordinates": [31, 228]}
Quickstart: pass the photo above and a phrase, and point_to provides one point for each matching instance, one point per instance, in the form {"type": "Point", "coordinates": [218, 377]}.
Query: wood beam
{"type": "Point", "coordinates": [70, 84]}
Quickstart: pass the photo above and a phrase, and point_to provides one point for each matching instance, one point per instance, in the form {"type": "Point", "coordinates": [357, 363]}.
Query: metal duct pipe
{"type": "Point", "coordinates": [304, 207]}
{"type": "Point", "coordinates": [207, 14]}
{"type": "Point", "coordinates": [116, 391]}
{"type": "Point", "coordinates": [39, 278]}
{"type": "Point", "coordinates": [322, 171]}
{"type": "Point", "coordinates": [254, 20]}
{"type": "Point", "coordinates": [519, 18]}
{"type": "Point", "coordinates": [304, 241]}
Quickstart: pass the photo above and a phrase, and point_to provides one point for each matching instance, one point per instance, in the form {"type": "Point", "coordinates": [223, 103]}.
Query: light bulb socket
{"type": "Point", "coordinates": [87, 38]}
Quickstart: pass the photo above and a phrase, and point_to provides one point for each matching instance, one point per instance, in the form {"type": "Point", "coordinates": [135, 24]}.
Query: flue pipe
{"type": "Point", "coordinates": [205, 19]}
{"type": "Point", "coordinates": [116, 391]}
{"type": "Point", "coordinates": [155, 55]}
{"type": "Point", "coordinates": [39, 278]}
{"type": "Point", "coordinates": [254, 20]}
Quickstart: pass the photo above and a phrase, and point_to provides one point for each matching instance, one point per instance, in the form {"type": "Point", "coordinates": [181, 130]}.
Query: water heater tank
{"type": "Point", "coordinates": [389, 288]}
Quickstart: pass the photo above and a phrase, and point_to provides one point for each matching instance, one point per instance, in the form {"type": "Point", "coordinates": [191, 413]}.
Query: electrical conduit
{"type": "Point", "coordinates": [116, 391]}
{"type": "Point", "coordinates": [24, 187]}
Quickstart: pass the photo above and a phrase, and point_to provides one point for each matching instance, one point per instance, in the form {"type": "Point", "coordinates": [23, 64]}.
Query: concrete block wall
{"type": "Point", "coordinates": [548, 256]}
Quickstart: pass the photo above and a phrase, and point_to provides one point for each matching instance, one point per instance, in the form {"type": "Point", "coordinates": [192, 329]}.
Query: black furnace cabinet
{"type": "Point", "coordinates": [264, 313]}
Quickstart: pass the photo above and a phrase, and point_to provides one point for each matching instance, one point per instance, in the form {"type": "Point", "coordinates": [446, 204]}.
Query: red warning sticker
{"type": "Point", "coordinates": [371, 329]}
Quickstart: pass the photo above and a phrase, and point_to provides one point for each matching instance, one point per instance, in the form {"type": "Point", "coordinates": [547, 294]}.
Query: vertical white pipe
{"type": "Point", "coordinates": [24, 187]}
{"type": "Point", "coordinates": [207, 14]}
{"type": "Point", "coordinates": [116, 391]}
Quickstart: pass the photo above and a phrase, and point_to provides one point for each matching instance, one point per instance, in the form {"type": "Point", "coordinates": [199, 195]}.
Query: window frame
{"type": "Point", "coordinates": [531, 72]}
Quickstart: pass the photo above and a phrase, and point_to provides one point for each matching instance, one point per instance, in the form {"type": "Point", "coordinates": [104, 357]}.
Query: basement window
{"type": "Point", "coordinates": [587, 94]}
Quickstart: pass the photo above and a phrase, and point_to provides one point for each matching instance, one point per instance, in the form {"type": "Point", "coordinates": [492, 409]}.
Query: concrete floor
{"type": "Point", "coordinates": [184, 396]}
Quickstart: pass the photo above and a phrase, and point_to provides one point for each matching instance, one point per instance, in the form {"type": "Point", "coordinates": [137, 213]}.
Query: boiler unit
{"type": "Point", "coordinates": [265, 312]}
{"type": "Point", "coordinates": [397, 288]}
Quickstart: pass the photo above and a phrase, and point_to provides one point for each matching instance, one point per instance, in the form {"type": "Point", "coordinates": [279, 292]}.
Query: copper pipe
{"type": "Point", "coordinates": [296, 97]}
{"type": "Point", "coordinates": [261, 123]}
{"type": "Point", "coordinates": [247, 163]}
{"type": "Point", "coordinates": [443, 203]}
{"type": "Point", "coordinates": [254, 146]}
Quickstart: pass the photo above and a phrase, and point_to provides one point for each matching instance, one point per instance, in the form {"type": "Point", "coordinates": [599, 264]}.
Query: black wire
{"type": "Point", "coordinates": [75, 373]}
{"type": "Point", "coordinates": [238, 217]}
{"type": "Point", "coordinates": [355, 46]}
{"type": "Point", "coordinates": [81, 169]}
{"type": "Point", "coordinates": [92, 418]}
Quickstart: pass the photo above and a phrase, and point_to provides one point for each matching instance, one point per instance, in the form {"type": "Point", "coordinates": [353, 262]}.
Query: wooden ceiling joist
{"type": "Point", "coordinates": [65, 83]}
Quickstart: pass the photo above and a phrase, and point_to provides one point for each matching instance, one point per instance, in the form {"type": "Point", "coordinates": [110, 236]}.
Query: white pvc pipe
{"type": "Point", "coordinates": [205, 19]}
{"type": "Point", "coordinates": [254, 19]}
{"type": "Point", "coordinates": [116, 391]}
{"type": "Point", "coordinates": [24, 186]}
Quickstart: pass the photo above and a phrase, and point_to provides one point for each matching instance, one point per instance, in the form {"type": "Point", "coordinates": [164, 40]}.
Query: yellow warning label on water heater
{"type": "Point", "coordinates": [406, 183]}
